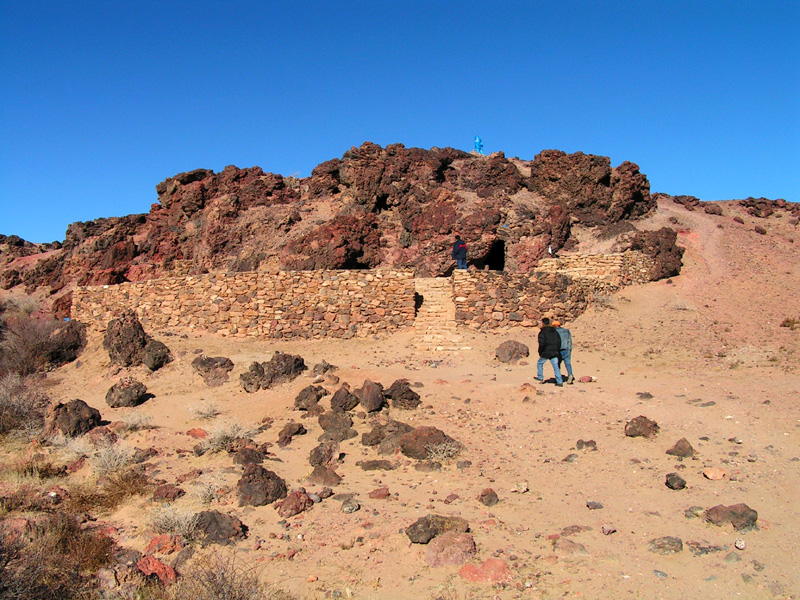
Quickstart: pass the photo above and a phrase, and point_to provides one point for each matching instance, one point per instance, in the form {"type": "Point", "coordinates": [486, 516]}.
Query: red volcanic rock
{"type": "Point", "coordinates": [150, 565]}
{"type": "Point", "coordinates": [493, 570]}
{"type": "Point", "coordinates": [660, 246]}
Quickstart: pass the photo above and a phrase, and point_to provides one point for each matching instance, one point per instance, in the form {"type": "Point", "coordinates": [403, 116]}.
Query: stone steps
{"type": "Point", "coordinates": [435, 324]}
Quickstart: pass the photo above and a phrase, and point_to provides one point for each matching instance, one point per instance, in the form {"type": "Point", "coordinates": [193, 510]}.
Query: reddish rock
{"type": "Point", "coordinates": [660, 246]}
{"type": "Point", "coordinates": [324, 476]}
{"type": "Point", "coordinates": [641, 426]}
{"type": "Point", "coordinates": [326, 454]}
{"type": "Point", "coordinates": [682, 448]}
{"type": "Point", "coordinates": [488, 497]}
{"type": "Point", "coordinates": [197, 433]}
{"type": "Point", "coordinates": [295, 503]}
{"type": "Point", "coordinates": [371, 396]}
{"type": "Point", "coordinates": [150, 565]}
{"type": "Point", "coordinates": [741, 516]}
{"type": "Point", "coordinates": [586, 379]}
{"type": "Point", "coordinates": [379, 493]}
{"type": "Point", "coordinates": [164, 544]}
{"type": "Point", "coordinates": [343, 400]}
{"type": "Point", "coordinates": [402, 396]}
{"type": "Point", "coordinates": [493, 570]}
{"type": "Point", "coordinates": [288, 432]}
{"type": "Point", "coordinates": [450, 548]}
{"type": "Point", "coordinates": [417, 443]}
{"type": "Point", "coordinates": [167, 493]}
{"type": "Point", "coordinates": [511, 351]}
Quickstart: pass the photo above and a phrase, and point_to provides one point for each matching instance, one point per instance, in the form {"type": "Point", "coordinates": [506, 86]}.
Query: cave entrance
{"type": "Point", "coordinates": [495, 258]}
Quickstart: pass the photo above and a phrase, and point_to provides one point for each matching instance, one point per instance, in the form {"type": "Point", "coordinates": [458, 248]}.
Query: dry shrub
{"type": "Point", "coordinates": [175, 520]}
{"type": "Point", "coordinates": [222, 436]}
{"type": "Point", "coordinates": [109, 493]}
{"type": "Point", "coordinates": [137, 422]}
{"type": "Point", "coordinates": [224, 576]}
{"type": "Point", "coordinates": [56, 560]}
{"type": "Point", "coordinates": [791, 323]}
{"type": "Point", "coordinates": [111, 459]}
{"type": "Point", "coordinates": [22, 405]}
{"type": "Point", "coordinates": [443, 452]}
{"type": "Point", "coordinates": [205, 410]}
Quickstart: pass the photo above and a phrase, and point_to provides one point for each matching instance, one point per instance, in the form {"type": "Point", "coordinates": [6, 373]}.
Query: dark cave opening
{"type": "Point", "coordinates": [495, 258]}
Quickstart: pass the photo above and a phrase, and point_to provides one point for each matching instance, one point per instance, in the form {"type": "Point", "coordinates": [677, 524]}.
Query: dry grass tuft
{"type": "Point", "coordinates": [222, 436]}
{"type": "Point", "coordinates": [22, 406]}
{"type": "Point", "coordinates": [443, 452]}
{"type": "Point", "coordinates": [109, 493]}
{"type": "Point", "coordinates": [111, 459]}
{"type": "Point", "coordinates": [791, 323]}
{"type": "Point", "coordinates": [175, 520]}
{"type": "Point", "coordinates": [205, 411]}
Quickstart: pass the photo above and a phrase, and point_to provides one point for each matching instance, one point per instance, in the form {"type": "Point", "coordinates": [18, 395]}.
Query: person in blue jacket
{"type": "Point", "coordinates": [460, 252]}
{"type": "Point", "coordinates": [566, 349]}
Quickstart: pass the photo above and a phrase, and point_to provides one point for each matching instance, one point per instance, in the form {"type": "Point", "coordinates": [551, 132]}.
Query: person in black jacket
{"type": "Point", "coordinates": [460, 252]}
{"type": "Point", "coordinates": [549, 350]}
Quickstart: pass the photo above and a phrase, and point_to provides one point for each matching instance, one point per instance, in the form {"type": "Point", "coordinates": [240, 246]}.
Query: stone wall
{"type": "Point", "coordinates": [560, 288]}
{"type": "Point", "coordinates": [310, 304]}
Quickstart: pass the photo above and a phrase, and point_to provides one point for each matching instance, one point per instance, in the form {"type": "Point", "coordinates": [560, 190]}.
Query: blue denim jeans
{"type": "Point", "coordinates": [462, 263]}
{"type": "Point", "coordinates": [566, 358]}
{"type": "Point", "coordinates": [540, 369]}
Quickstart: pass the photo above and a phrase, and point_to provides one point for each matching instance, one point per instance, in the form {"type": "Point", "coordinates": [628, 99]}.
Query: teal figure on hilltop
{"type": "Point", "coordinates": [478, 145]}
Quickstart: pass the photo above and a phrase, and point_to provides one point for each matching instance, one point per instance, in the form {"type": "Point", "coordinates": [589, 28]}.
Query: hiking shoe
{"type": "Point", "coordinates": [539, 380]}
{"type": "Point", "coordinates": [570, 380]}
{"type": "Point", "coordinates": [559, 385]}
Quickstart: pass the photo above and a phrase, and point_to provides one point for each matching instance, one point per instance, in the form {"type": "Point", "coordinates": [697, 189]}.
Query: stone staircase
{"type": "Point", "coordinates": [435, 323]}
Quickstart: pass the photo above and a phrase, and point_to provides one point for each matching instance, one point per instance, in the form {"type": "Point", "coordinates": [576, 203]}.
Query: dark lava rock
{"type": "Point", "coordinates": [295, 503]}
{"type": "Point", "coordinates": [428, 466]}
{"type": "Point", "coordinates": [168, 493]}
{"type": "Point", "coordinates": [402, 396]}
{"type": "Point", "coordinates": [322, 368]}
{"type": "Point", "coordinates": [741, 516]}
{"type": "Point", "coordinates": [675, 481]}
{"type": "Point", "coordinates": [420, 442]}
{"type": "Point", "coordinates": [386, 436]}
{"type": "Point", "coordinates": [377, 465]}
{"type": "Point", "coordinates": [370, 395]}
{"type": "Point", "coordinates": [511, 351]}
{"type": "Point", "coordinates": [258, 486]}
{"type": "Point", "coordinates": [335, 419]}
{"type": "Point", "coordinates": [125, 340]}
{"type": "Point", "coordinates": [245, 456]}
{"type": "Point", "coordinates": [641, 426]}
{"type": "Point", "coordinates": [488, 497]}
{"type": "Point", "coordinates": [682, 448]}
{"type": "Point", "coordinates": [760, 230]}
{"type": "Point", "coordinates": [156, 355]}
{"type": "Point", "coordinates": [660, 246]}
{"type": "Point", "coordinates": [326, 454]}
{"type": "Point", "coordinates": [219, 528]}
{"type": "Point", "coordinates": [424, 529]}
{"type": "Point", "coordinates": [281, 368]}
{"type": "Point", "coordinates": [128, 392]}
{"type": "Point", "coordinates": [309, 397]}
{"type": "Point", "coordinates": [324, 476]}
{"type": "Point", "coordinates": [213, 370]}
{"type": "Point", "coordinates": [338, 435]}
{"type": "Point", "coordinates": [343, 400]}
{"type": "Point", "coordinates": [288, 432]}
{"type": "Point", "coordinates": [586, 445]}
{"type": "Point", "coordinates": [65, 343]}
{"type": "Point", "coordinates": [71, 419]}
{"type": "Point", "coordinates": [666, 545]}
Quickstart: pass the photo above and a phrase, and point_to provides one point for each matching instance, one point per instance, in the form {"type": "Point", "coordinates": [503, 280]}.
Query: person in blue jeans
{"type": "Point", "coordinates": [549, 350]}
{"type": "Point", "coordinates": [566, 350]}
{"type": "Point", "coordinates": [460, 252]}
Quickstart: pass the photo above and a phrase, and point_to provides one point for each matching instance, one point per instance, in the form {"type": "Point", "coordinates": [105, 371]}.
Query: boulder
{"type": "Point", "coordinates": [511, 352]}
{"type": "Point", "coordinates": [419, 442]}
{"type": "Point", "coordinates": [424, 529]}
{"type": "Point", "coordinates": [325, 476]}
{"type": "Point", "coordinates": [371, 396]}
{"type": "Point", "coordinates": [295, 503]}
{"type": "Point", "coordinates": [288, 432]}
{"type": "Point", "coordinates": [343, 400]}
{"type": "Point", "coordinates": [71, 419]}
{"type": "Point", "coordinates": [125, 340]}
{"type": "Point", "coordinates": [450, 548]}
{"type": "Point", "coordinates": [219, 528]}
{"type": "Point", "coordinates": [156, 355]}
{"type": "Point", "coordinates": [258, 486]}
{"type": "Point", "coordinates": [488, 497]}
{"type": "Point", "coordinates": [641, 426]}
{"type": "Point", "coordinates": [386, 436]}
{"type": "Point", "coordinates": [661, 247]}
{"type": "Point", "coordinates": [150, 565]}
{"type": "Point", "coordinates": [326, 454]}
{"type": "Point", "coordinates": [214, 370]}
{"type": "Point", "coordinates": [741, 516]}
{"type": "Point", "coordinates": [309, 396]}
{"type": "Point", "coordinates": [682, 449]}
{"type": "Point", "coordinates": [335, 420]}
{"type": "Point", "coordinates": [402, 396]}
{"type": "Point", "coordinates": [281, 368]}
{"type": "Point", "coordinates": [127, 393]}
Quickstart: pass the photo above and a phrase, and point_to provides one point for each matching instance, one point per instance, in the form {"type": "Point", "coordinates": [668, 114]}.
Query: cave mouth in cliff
{"type": "Point", "coordinates": [495, 258]}
{"type": "Point", "coordinates": [419, 299]}
{"type": "Point", "coordinates": [353, 262]}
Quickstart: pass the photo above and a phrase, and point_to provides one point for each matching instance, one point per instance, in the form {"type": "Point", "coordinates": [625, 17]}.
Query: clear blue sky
{"type": "Point", "coordinates": [101, 100]}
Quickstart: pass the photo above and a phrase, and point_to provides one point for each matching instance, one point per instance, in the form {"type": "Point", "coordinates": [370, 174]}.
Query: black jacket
{"type": "Point", "coordinates": [459, 249]}
{"type": "Point", "coordinates": [549, 342]}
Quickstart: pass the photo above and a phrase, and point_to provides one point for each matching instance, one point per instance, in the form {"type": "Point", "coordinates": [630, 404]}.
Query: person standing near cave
{"type": "Point", "coordinates": [549, 351]}
{"type": "Point", "coordinates": [460, 252]}
{"type": "Point", "coordinates": [566, 349]}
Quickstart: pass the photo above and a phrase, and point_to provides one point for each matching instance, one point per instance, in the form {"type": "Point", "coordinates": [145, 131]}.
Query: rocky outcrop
{"type": "Point", "coordinates": [129, 346]}
{"type": "Point", "coordinates": [70, 419]}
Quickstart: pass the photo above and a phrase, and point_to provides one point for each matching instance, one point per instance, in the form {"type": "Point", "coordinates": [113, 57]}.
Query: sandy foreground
{"type": "Point", "coordinates": [703, 355]}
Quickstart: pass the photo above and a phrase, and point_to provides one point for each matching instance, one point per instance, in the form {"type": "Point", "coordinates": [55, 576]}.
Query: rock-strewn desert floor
{"type": "Point", "coordinates": [703, 355]}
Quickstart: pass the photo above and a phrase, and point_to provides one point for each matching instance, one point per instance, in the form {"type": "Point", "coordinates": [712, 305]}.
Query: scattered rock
{"type": "Point", "coordinates": [666, 545]}
{"type": "Point", "coordinates": [335, 420]}
{"type": "Point", "coordinates": [259, 486]}
{"type": "Point", "coordinates": [322, 368]}
{"type": "Point", "coordinates": [586, 379]}
{"type": "Point", "coordinates": [295, 503]}
{"type": "Point", "coordinates": [324, 476]}
{"type": "Point", "coordinates": [288, 432]}
{"type": "Point", "coordinates": [488, 497]}
{"type": "Point", "coordinates": [309, 397]}
{"type": "Point", "coordinates": [682, 448]}
{"type": "Point", "coordinates": [219, 528]}
{"type": "Point", "coordinates": [247, 455]}
{"type": "Point", "coordinates": [714, 473]}
{"type": "Point", "coordinates": [380, 493]}
{"type": "Point", "coordinates": [281, 368]}
{"type": "Point", "coordinates": [343, 400]}
{"type": "Point", "coordinates": [741, 516]}
{"type": "Point", "coordinates": [511, 351]}
{"type": "Point", "coordinates": [155, 355]}
{"type": "Point", "coordinates": [608, 529]}
{"type": "Point", "coordinates": [594, 505]}
{"type": "Point", "coordinates": [326, 454]}
{"type": "Point", "coordinates": [150, 565]}
{"type": "Point", "coordinates": [71, 419]}
{"type": "Point", "coordinates": [675, 481]}
{"type": "Point", "coordinates": [127, 393]}
{"type": "Point", "coordinates": [566, 546]}
{"type": "Point", "coordinates": [586, 445]}
{"type": "Point", "coordinates": [428, 466]}
{"type": "Point", "coordinates": [167, 493]}
{"type": "Point", "coordinates": [421, 442]}
{"type": "Point", "coordinates": [402, 396]}
{"type": "Point", "coordinates": [164, 544]}
{"type": "Point", "coordinates": [371, 396]}
{"type": "Point", "coordinates": [125, 340]}
{"type": "Point", "coordinates": [493, 570]}
{"type": "Point", "coordinates": [641, 426]}
{"type": "Point", "coordinates": [740, 544]}
{"type": "Point", "coordinates": [377, 465]}
{"type": "Point", "coordinates": [213, 370]}
{"type": "Point", "coordinates": [424, 529]}
{"type": "Point", "coordinates": [644, 395]}
{"type": "Point", "coordinates": [450, 548]}
{"type": "Point", "coordinates": [350, 505]}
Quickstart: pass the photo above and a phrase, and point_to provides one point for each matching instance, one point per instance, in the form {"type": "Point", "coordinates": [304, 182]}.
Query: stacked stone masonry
{"type": "Point", "coordinates": [308, 304]}
{"type": "Point", "coordinates": [357, 303]}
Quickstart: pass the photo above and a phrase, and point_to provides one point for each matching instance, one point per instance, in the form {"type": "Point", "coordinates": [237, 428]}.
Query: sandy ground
{"type": "Point", "coordinates": [708, 348]}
